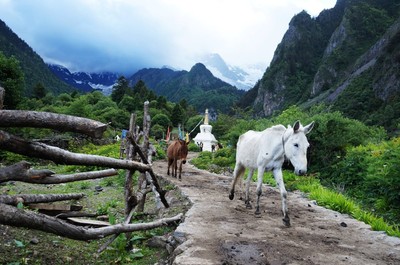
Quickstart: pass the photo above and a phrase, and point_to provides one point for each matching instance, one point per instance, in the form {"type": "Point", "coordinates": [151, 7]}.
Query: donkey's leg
{"type": "Point", "coordinates": [175, 167]}
{"type": "Point", "coordinates": [237, 173]}
{"type": "Point", "coordinates": [281, 185]}
{"type": "Point", "coordinates": [247, 198]}
{"type": "Point", "coordinates": [169, 164]}
{"type": "Point", "coordinates": [259, 189]}
{"type": "Point", "coordinates": [180, 169]}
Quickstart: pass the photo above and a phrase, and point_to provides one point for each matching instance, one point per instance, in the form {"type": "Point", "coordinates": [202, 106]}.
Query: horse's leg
{"type": "Point", "coordinates": [237, 173]}
{"type": "Point", "coordinates": [259, 189]}
{"type": "Point", "coordinates": [247, 200]}
{"type": "Point", "coordinates": [281, 185]}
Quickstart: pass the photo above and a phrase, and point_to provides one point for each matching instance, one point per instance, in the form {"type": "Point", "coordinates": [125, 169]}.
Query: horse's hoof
{"type": "Point", "coordinates": [231, 196]}
{"type": "Point", "coordinates": [286, 221]}
{"type": "Point", "coordinates": [257, 212]}
{"type": "Point", "coordinates": [248, 206]}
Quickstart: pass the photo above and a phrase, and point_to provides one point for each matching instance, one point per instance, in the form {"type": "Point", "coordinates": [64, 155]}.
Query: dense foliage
{"type": "Point", "coordinates": [12, 80]}
{"type": "Point", "coordinates": [117, 108]}
{"type": "Point", "coordinates": [34, 68]}
{"type": "Point", "coordinates": [322, 57]}
{"type": "Point", "coordinates": [198, 87]}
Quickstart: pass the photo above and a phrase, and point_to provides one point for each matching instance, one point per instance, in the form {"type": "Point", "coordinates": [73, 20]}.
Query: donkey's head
{"type": "Point", "coordinates": [183, 151]}
{"type": "Point", "coordinates": [295, 146]}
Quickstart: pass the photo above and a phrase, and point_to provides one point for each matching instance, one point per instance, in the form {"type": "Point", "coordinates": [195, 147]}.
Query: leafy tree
{"type": "Point", "coordinates": [120, 89]}
{"type": "Point", "coordinates": [80, 108]}
{"type": "Point", "coordinates": [12, 80]}
{"type": "Point", "coordinates": [39, 91]}
{"type": "Point", "coordinates": [178, 115]}
{"type": "Point", "coordinates": [157, 131]}
{"type": "Point", "coordinates": [162, 102]}
{"type": "Point", "coordinates": [142, 92]}
{"type": "Point", "coordinates": [162, 120]}
{"type": "Point", "coordinates": [192, 122]}
{"type": "Point", "coordinates": [94, 97]}
{"type": "Point", "coordinates": [64, 99]}
{"type": "Point", "coordinates": [184, 104]}
{"type": "Point", "coordinates": [129, 103]}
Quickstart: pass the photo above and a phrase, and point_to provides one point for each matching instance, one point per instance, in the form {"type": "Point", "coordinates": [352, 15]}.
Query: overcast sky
{"type": "Point", "coordinates": [127, 35]}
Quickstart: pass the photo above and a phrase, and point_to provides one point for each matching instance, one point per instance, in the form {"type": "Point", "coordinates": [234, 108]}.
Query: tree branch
{"type": "Point", "coordinates": [21, 172]}
{"type": "Point", "coordinates": [153, 176]}
{"type": "Point", "coordinates": [20, 218]}
{"type": "Point", "coordinates": [32, 149]}
{"type": "Point", "coordinates": [38, 198]}
{"type": "Point", "coordinates": [60, 122]}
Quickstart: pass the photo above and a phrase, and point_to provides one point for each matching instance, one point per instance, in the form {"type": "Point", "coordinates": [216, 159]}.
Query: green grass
{"type": "Point", "coordinates": [52, 249]}
{"type": "Point", "coordinates": [338, 202]}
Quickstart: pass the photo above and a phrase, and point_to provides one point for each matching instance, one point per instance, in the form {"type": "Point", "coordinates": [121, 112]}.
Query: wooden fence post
{"type": "Point", "coordinates": [142, 181]}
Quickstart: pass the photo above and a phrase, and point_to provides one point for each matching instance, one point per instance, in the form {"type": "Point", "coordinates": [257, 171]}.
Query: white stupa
{"type": "Point", "coordinates": [205, 137]}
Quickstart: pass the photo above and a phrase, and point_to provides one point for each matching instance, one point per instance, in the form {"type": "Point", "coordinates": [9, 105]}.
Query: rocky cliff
{"type": "Point", "coordinates": [353, 47]}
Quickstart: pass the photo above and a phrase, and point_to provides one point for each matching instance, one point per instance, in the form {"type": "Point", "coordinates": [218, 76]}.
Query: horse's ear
{"type": "Point", "coordinates": [308, 128]}
{"type": "Point", "coordinates": [296, 126]}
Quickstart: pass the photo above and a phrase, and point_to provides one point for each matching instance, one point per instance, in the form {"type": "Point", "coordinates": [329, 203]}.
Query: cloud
{"type": "Point", "coordinates": [125, 35]}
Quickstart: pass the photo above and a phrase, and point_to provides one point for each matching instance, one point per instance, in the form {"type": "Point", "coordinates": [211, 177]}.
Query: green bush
{"type": "Point", "coordinates": [192, 147]}
{"type": "Point", "coordinates": [371, 173]}
{"type": "Point", "coordinates": [203, 160]}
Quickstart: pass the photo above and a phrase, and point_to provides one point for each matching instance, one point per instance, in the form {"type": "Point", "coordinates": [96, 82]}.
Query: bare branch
{"type": "Point", "coordinates": [56, 179]}
{"type": "Point", "coordinates": [32, 149]}
{"type": "Point", "coordinates": [21, 171]}
{"type": "Point", "coordinates": [16, 217]}
{"type": "Point", "coordinates": [60, 122]}
{"type": "Point", "coordinates": [153, 176]}
{"type": "Point", "coordinates": [38, 198]}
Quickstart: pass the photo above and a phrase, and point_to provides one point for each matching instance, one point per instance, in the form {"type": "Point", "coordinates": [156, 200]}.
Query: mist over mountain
{"type": "Point", "coordinates": [86, 82]}
{"type": "Point", "coordinates": [199, 87]}
{"type": "Point", "coordinates": [242, 77]}
{"type": "Point", "coordinates": [34, 68]}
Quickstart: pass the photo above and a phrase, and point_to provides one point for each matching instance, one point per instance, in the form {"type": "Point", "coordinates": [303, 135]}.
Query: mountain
{"type": "Point", "coordinates": [347, 57]}
{"type": "Point", "coordinates": [241, 78]}
{"type": "Point", "coordinates": [198, 87]}
{"type": "Point", "coordinates": [34, 68]}
{"type": "Point", "coordinates": [86, 82]}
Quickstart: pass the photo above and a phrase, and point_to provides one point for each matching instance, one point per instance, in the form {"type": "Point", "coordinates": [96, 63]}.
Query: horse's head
{"type": "Point", "coordinates": [295, 146]}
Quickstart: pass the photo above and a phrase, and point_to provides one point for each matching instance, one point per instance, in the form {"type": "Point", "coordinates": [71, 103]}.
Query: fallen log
{"type": "Point", "coordinates": [38, 198]}
{"type": "Point", "coordinates": [20, 146]}
{"type": "Point", "coordinates": [77, 214]}
{"type": "Point", "coordinates": [16, 217]}
{"type": "Point", "coordinates": [88, 222]}
{"type": "Point", "coordinates": [60, 122]}
{"type": "Point", "coordinates": [21, 171]}
{"type": "Point", "coordinates": [55, 207]}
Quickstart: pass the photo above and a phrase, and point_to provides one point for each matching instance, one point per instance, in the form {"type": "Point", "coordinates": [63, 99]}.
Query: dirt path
{"type": "Point", "coordinates": [220, 231]}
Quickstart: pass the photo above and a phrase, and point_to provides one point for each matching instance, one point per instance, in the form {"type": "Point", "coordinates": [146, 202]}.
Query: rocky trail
{"type": "Point", "coordinates": [220, 231]}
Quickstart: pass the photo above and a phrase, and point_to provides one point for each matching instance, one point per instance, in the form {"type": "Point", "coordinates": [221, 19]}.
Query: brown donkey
{"type": "Point", "coordinates": [177, 150]}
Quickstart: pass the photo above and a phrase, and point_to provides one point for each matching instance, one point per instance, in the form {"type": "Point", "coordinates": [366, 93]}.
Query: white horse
{"type": "Point", "coordinates": [267, 150]}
